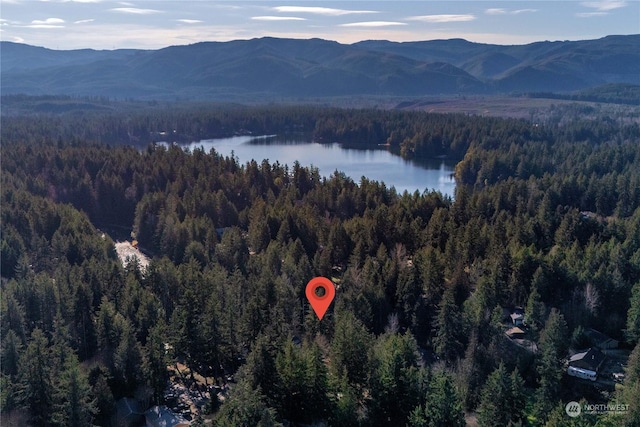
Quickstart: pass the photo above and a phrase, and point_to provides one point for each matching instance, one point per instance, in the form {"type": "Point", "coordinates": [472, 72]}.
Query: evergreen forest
{"type": "Point", "coordinates": [545, 218]}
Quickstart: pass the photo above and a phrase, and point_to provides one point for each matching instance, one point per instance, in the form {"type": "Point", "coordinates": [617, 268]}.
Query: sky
{"type": "Point", "coordinates": [151, 24]}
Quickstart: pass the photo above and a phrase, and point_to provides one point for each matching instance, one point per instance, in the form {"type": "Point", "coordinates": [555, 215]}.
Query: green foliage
{"type": "Point", "coordinates": [11, 350]}
{"type": "Point", "coordinates": [246, 407]}
{"type": "Point", "coordinates": [545, 217]}
{"type": "Point", "coordinates": [442, 406]}
{"type": "Point", "coordinates": [396, 382]}
{"type": "Point", "coordinates": [346, 405]}
{"type": "Point", "coordinates": [633, 315]}
{"type": "Point", "coordinates": [630, 394]}
{"type": "Point", "coordinates": [36, 378]}
{"type": "Point", "coordinates": [535, 312]}
{"type": "Point", "coordinates": [73, 402]}
{"type": "Point", "coordinates": [503, 399]}
{"type": "Point", "coordinates": [127, 361]}
{"type": "Point", "coordinates": [553, 351]}
{"type": "Point", "coordinates": [449, 328]}
{"type": "Point", "coordinates": [351, 350]}
{"type": "Point", "coordinates": [155, 361]}
{"type": "Point", "coordinates": [302, 383]}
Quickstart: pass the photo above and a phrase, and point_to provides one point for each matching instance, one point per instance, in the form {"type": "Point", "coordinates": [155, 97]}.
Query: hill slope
{"type": "Point", "coordinates": [270, 67]}
{"type": "Point", "coordinates": [548, 66]}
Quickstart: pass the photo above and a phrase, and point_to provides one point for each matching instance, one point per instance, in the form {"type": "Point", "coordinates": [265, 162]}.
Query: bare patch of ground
{"type": "Point", "coordinates": [487, 106]}
{"type": "Point", "coordinates": [189, 392]}
{"type": "Point", "coordinates": [505, 106]}
{"type": "Point", "coordinates": [126, 251]}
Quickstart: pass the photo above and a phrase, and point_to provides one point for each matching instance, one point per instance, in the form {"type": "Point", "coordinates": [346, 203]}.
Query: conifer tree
{"type": "Point", "coordinates": [442, 406]}
{"type": "Point", "coordinates": [35, 378]}
{"type": "Point", "coordinates": [155, 360]}
{"type": "Point", "coordinates": [553, 350]}
{"type": "Point", "coordinates": [73, 402]}
{"type": "Point", "coordinates": [633, 315]}
{"type": "Point", "coordinates": [502, 401]}
{"type": "Point", "coordinates": [448, 328]}
{"type": "Point", "coordinates": [351, 350]}
{"type": "Point", "coordinates": [396, 383]}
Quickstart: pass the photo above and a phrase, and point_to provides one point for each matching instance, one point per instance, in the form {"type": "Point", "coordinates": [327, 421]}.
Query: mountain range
{"type": "Point", "coordinates": [291, 68]}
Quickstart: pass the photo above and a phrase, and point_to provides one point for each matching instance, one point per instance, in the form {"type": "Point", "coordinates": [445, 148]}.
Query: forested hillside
{"type": "Point", "coordinates": [278, 68]}
{"type": "Point", "coordinates": [545, 217]}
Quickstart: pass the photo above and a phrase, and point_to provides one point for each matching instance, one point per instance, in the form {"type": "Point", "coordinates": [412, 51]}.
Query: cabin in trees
{"type": "Point", "coordinates": [515, 333]}
{"type": "Point", "coordinates": [517, 316]}
{"type": "Point", "coordinates": [586, 364]}
{"type": "Point", "coordinates": [514, 316]}
{"type": "Point", "coordinates": [600, 340]}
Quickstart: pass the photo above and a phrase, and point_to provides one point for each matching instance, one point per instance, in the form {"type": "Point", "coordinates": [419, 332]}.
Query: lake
{"type": "Point", "coordinates": [376, 163]}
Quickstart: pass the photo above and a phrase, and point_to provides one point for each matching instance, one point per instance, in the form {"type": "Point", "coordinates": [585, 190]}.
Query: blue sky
{"type": "Point", "coordinates": [150, 24]}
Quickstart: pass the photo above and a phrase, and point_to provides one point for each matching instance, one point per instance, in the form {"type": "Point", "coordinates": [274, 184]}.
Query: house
{"type": "Point", "coordinates": [586, 364]}
{"type": "Point", "coordinates": [600, 340]}
{"type": "Point", "coordinates": [515, 333]}
{"type": "Point", "coordinates": [161, 416]}
{"type": "Point", "coordinates": [129, 413]}
{"type": "Point", "coordinates": [588, 359]}
{"type": "Point", "coordinates": [517, 316]}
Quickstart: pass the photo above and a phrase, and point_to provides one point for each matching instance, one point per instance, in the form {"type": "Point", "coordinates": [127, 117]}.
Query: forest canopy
{"type": "Point", "coordinates": [546, 217]}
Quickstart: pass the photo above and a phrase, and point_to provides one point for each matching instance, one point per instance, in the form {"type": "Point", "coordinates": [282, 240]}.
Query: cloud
{"type": "Point", "coordinates": [84, 21]}
{"type": "Point", "coordinates": [226, 7]}
{"type": "Point", "coordinates": [189, 21]}
{"type": "Point", "coordinates": [604, 6]}
{"type": "Point", "coordinates": [135, 10]}
{"type": "Point", "coordinates": [590, 14]}
{"type": "Point", "coordinates": [370, 24]}
{"type": "Point", "coordinates": [277, 18]}
{"type": "Point", "coordinates": [501, 11]}
{"type": "Point", "coordinates": [48, 21]}
{"type": "Point", "coordinates": [43, 26]}
{"type": "Point", "coordinates": [7, 23]}
{"type": "Point", "coordinates": [327, 11]}
{"type": "Point", "coordinates": [437, 19]}
{"type": "Point", "coordinates": [102, 35]}
{"type": "Point", "coordinates": [18, 39]}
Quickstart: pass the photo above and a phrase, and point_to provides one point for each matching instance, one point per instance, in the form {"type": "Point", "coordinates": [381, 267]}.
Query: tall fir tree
{"type": "Point", "coordinates": [73, 401]}
{"type": "Point", "coordinates": [553, 350]}
{"type": "Point", "coordinates": [442, 405]}
{"type": "Point", "coordinates": [35, 378]}
{"type": "Point", "coordinates": [502, 401]}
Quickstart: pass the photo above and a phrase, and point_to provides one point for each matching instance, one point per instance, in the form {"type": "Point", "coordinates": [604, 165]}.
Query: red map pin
{"type": "Point", "coordinates": [326, 291]}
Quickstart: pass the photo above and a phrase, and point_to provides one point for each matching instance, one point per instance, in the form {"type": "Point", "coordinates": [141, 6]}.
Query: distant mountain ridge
{"type": "Point", "coordinates": [272, 67]}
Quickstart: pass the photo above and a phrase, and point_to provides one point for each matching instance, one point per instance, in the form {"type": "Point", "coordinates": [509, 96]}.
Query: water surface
{"type": "Point", "coordinates": [375, 163]}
